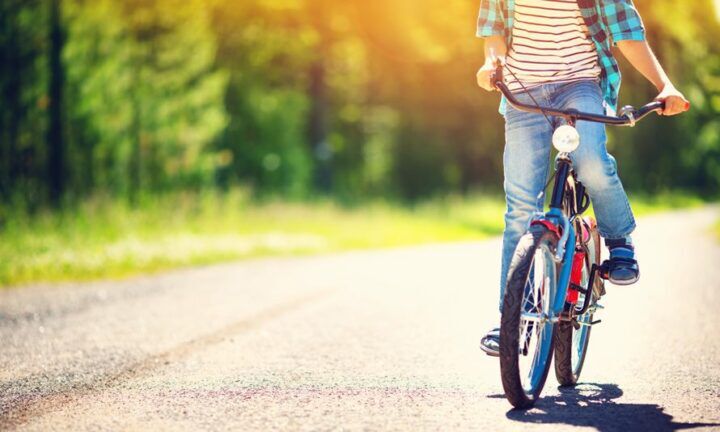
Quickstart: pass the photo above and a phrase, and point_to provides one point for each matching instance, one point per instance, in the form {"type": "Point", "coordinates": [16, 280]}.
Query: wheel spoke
{"type": "Point", "coordinates": [533, 335]}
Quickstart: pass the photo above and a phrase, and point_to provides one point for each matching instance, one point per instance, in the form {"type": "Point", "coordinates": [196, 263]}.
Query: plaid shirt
{"type": "Point", "coordinates": [608, 21]}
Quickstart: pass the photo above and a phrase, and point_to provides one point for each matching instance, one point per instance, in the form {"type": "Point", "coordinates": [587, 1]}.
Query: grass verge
{"type": "Point", "coordinates": [108, 239]}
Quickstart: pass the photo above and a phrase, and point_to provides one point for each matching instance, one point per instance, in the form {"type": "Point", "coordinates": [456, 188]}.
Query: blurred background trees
{"type": "Point", "coordinates": [292, 98]}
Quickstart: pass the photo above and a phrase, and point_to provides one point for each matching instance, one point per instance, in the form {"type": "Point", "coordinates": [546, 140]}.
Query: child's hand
{"type": "Point", "coordinates": [675, 102]}
{"type": "Point", "coordinates": [486, 72]}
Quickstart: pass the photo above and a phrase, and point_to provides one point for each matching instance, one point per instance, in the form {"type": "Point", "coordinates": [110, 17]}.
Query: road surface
{"type": "Point", "coordinates": [379, 340]}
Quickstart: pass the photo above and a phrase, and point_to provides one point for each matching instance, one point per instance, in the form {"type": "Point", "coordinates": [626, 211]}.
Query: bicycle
{"type": "Point", "coordinates": [556, 278]}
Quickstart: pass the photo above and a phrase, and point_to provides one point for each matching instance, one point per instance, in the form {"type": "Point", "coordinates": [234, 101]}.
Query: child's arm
{"type": "Point", "coordinates": [495, 51]}
{"type": "Point", "coordinates": [641, 56]}
{"type": "Point", "coordinates": [491, 27]}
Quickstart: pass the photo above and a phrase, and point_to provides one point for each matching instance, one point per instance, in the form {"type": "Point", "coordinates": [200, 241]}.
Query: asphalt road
{"type": "Point", "coordinates": [358, 341]}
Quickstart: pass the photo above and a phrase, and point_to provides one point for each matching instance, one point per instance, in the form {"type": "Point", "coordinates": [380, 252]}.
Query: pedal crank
{"type": "Point", "coordinates": [603, 270]}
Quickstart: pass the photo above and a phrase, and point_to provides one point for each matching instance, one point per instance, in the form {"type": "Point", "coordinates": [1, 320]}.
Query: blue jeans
{"type": "Point", "coordinates": [528, 140]}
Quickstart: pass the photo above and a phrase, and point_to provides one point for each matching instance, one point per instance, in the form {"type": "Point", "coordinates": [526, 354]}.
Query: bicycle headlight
{"type": "Point", "coordinates": [566, 139]}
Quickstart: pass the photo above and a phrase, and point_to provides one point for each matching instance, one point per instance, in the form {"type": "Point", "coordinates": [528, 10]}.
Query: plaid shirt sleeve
{"type": "Point", "coordinates": [491, 21]}
{"type": "Point", "coordinates": [622, 20]}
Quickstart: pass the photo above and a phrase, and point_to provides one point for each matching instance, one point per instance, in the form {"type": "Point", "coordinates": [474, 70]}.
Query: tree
{"type": "Point", "coordinates": [148, 92]}
{"type": "Point", "coordinates": [177, 98]}
{"type": "Point", "coordinates": [267, 57]}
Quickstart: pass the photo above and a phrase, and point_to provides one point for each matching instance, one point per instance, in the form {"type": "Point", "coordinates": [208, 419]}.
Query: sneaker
{"type": "Point", "coordinates": [622, 267]}
{"type": "Point", "coordinates": [490, 343]}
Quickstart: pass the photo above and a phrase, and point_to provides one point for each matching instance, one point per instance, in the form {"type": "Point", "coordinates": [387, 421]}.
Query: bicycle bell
{"type": "Point", "coordinates": [566, 139]}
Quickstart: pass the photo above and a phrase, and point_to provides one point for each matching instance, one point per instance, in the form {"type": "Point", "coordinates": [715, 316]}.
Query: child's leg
{"type": "Point", "coordinates": [526, 163]}
{"type": "Point", "coordinates": [597, 169]}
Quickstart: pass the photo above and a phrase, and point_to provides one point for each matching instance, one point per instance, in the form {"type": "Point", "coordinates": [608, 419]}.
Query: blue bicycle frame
{"type": "Point", "coordinates": [566, 245]}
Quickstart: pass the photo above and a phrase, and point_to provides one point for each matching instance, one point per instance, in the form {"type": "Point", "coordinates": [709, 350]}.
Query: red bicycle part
{"type": "Point", "coordinates": [576, 277]}
{"type": "Point", "coordinates": [549, 225]}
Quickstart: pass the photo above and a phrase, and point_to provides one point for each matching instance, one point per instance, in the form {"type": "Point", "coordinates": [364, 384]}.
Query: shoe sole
{"type": "Point", "coordinates": [624, 282]}
{"type": "Point", "coordinates": [490, 353]}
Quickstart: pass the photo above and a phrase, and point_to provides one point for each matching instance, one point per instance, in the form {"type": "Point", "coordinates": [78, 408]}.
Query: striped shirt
{"type": "Point", "coordinates": [551, 43]}
{"type": "Point", "coordinates": [609, 22]}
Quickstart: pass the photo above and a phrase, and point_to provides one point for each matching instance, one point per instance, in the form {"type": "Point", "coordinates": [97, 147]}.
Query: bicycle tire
{"type": "Point", "coordinates": [568, 372]}
{"type": "Point", "coordinates": [519, 396]}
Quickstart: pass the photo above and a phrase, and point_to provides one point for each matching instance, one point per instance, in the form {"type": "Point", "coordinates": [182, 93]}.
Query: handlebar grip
{"type": "Point", "coordinates": [652, 106]}
{"type": "Point", "coordinates": [647, 109]}
{"type": "Point", "coordinates": [497, 76]}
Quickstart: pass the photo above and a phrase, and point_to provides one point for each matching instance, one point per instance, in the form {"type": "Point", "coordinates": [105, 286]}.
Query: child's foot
{"type": "Point", "coordinates": [490, 343]}
{"type": "Point", "coordinates": [623, 268]}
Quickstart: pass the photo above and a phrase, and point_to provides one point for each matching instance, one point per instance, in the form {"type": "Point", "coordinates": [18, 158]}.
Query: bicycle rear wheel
{"type": "Point", "coordinates": [526, 338]}
{"type": "Point", "coordinates": [571, 343]}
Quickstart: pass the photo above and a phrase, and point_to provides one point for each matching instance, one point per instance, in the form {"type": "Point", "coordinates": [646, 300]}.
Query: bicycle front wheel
{"type": "Point", "coordinates": [526, 337]}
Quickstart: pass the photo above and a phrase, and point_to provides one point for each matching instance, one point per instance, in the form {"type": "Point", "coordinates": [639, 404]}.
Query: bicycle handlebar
{"type": "Point", "coordinates": [628, 115]}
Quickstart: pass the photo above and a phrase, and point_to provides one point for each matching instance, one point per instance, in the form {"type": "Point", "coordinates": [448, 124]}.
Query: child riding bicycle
{"type": "Point", "coordinates": [558, 53]}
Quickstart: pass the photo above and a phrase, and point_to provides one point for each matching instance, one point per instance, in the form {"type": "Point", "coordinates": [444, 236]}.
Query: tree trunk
{"type": "Point", "coordinates": [318, 94]}
{"type": "Point", "coordinates": [11, 82]}
{"type": "Point", "coordinates": [318, 126]}
{"type": "Point", "coordinates": [55, 139]}
{"type": "Point", "coordinates": [136, 159]}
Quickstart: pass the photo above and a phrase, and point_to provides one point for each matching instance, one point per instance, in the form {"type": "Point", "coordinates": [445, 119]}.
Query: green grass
{"type": "Point", "coordinates": [104, 239]}
{"type": "Point", "coordinates": [108, 239]}
{"type": "Point", "coordinates": [644, 204]}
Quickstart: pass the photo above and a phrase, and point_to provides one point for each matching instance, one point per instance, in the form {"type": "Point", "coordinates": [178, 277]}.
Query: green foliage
{"type": "Point", "coordinates": [98, 57]}
{"type": "Point", "coordinates": [146, 111]}
{"type": "Point", "coordinates": [680, 152]}
{"type": "Point", "coordinates": [265, 142]}
{"type": "Point", "coordinates": [291, 98]}
{"type": "Point", "coordinates": [143, 101]}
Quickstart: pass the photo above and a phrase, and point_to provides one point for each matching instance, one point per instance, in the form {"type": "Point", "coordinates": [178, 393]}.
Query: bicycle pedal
{"type": "Point", "coordinates": [599, 306]}
{"type": "Point", "coordinates": [604, 270]}
{"type": "Point", "coordinates": [596, 322]}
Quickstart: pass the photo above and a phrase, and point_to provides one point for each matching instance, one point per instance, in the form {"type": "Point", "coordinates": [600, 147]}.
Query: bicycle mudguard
{"type": "Point", "coordinates": [547, 224]}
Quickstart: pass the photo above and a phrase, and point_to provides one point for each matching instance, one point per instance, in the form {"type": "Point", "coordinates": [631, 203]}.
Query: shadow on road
{"type": "Point", "coordinates": [595, 405]}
